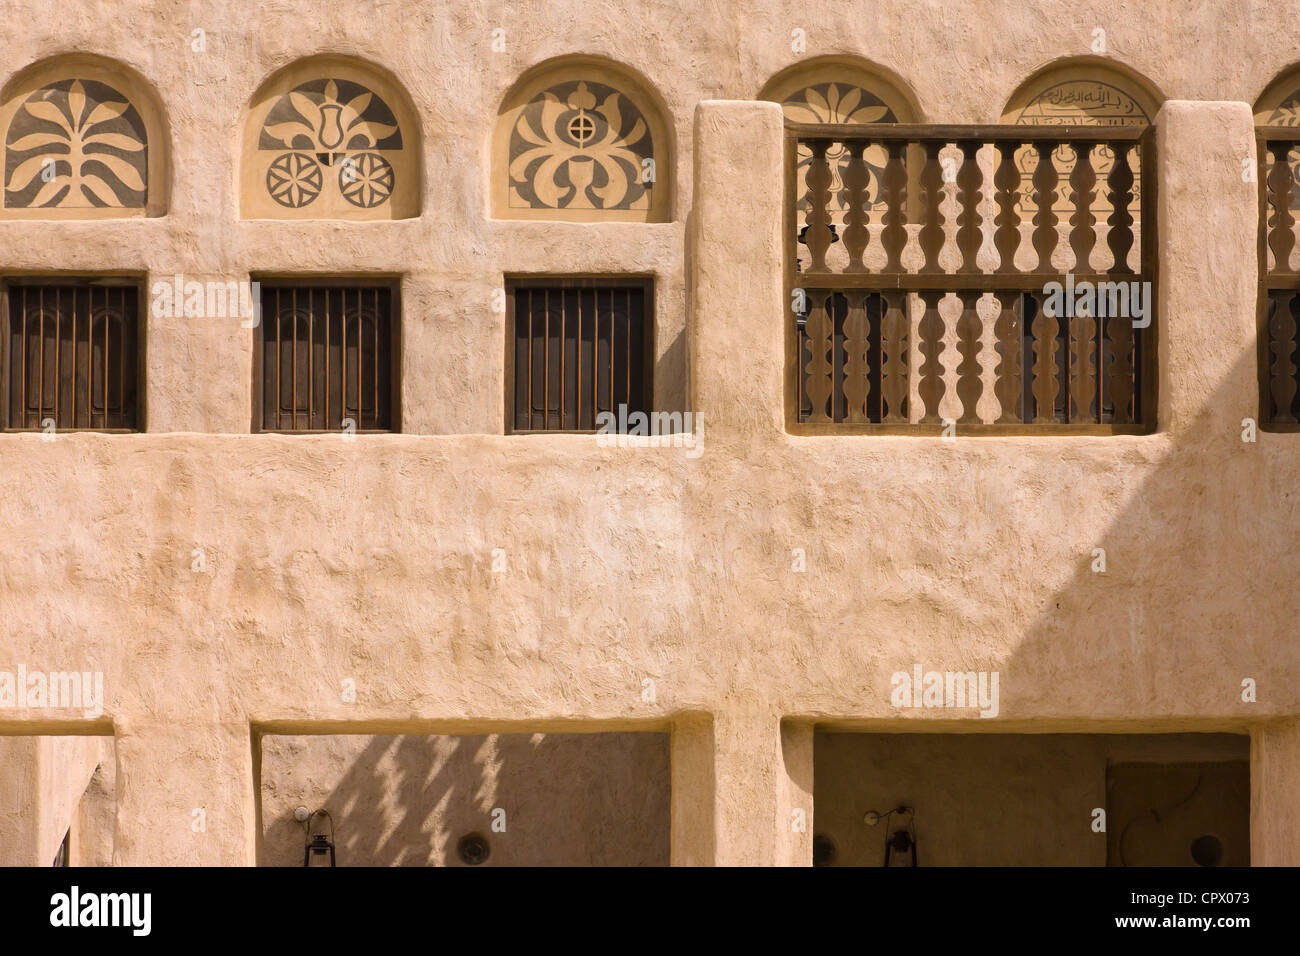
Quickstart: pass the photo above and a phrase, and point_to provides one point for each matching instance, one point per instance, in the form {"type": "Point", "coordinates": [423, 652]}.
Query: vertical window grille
{"type": "Point", "coordinates": [326, 357]}
{"type": "Point", "coordinates": [579, 348]}
{"type": "Point", "coordinates": [72, 356]}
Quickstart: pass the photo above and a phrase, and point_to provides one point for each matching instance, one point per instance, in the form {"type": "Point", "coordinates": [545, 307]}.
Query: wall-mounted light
{"type": "Point", "coordinates": [318, 849]}
{"type": "Point", "coordinates": [473, 849]}
{"type": "Point", "coordinates": [902, 840]}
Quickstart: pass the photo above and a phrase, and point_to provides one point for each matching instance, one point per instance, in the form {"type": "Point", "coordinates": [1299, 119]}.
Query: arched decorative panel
{"type": "Point", "coordinates": [330, 139]}
{"type": "Point", "coordinates": [82, 140]}
{"type": "Point", "coordinates": [581, 140]}
{"type": "Point", "coordinates": [841, 90]}
{"type": "Point", "coordinates": [1279, 105]}
{"type": "Point", "coordinates": [1080, 94]}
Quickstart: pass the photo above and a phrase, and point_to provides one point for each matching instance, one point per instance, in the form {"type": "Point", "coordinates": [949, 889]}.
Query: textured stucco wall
{"type": "Point", "coordinates": [20, 829]}
{"type": "Point", "coordinates": [370, 561]}
{"type": "Point", "coordinates": [42, 782]}
{"type": "Point", "coordinates": [94, 829]}
{"type": "Point", "coordinates": [566, 799]}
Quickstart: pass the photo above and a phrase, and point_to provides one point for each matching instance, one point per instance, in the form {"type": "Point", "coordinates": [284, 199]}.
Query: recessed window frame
{"type": "Point", "coordinates": [514, 283]}
{"type": "Point", "coordinates": [389, 283]}
{"type": "Point", "coordinates": [139, 365]}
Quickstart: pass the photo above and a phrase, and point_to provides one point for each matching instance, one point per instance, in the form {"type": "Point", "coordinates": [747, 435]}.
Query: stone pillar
{"type": "Point", "coordinates": [692, 797]}
{"type": "Point", "coordinates": [742, 791]}
{"type": "Point", "coordinates": [794, 792]}
{"type": "Point", "coordinates": [1275, 795]}
{"type": "Point", "coordinates": [737, 289]}
{"type": "Point", "coordinates": [1208, 261]}
{"type": "Point", "coordinates": [739, 776]}
{"type": "Point", "coordinates": [19, 802]}
{"type": "Point", "coordinates": [42, 779]}
{"type": "Point", "coordinates": [166, 771]}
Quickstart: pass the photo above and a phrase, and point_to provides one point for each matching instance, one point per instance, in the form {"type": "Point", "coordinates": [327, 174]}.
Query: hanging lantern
{"type": "Point", "coordinates": [319, 849]}
{"type": "Point", "coordinates": [902, 841]}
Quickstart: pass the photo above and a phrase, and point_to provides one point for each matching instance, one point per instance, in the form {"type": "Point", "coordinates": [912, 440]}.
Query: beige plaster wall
{"type": "Point", "coordinates": [20, 836]}
{"type": "Point", "coordinates": [50, 786]}
{"type": "Point", "coordinates": [94, 828]}
{"type": "Point", "coordinates": [370, 562]}
{"type": "Point", "coordinates": [539, 799]}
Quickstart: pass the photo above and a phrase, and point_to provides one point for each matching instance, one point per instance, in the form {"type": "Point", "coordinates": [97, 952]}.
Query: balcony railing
{"type": "Point", "coordinates": [1279, 282]}
{"type": "Point", "coordinates": [998, 279]}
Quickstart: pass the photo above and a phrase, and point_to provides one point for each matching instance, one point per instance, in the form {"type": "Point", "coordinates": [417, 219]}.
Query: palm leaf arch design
{"type": "Point", "coordinates": [76, 144]}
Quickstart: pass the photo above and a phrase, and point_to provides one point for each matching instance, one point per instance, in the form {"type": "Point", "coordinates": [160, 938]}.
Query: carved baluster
{"type": "Point", "coordinates": [930, 333]}
{"type": "Point", "coordinates": [893, 187]}
{"type": "Point", "coordinates": [1046, 371]}
{"type": "Point", "coordinates": [821, 338]}
{"type": "Point", "coordinates": [1281, 238]}
{"type": "Point", "coordinates": [1119, 359]}
{"type": "Point", "coordinates": [969, 384]}
{"type": "Point", "coordinates": [1007, 375]}
{"type": "Point", "coordinates": [856, 233]}
{"type": "Point", "coordinates": [969, 220]}
{"type": "Point", "coordinates": [817, 236]}
{"type": "Point", "coordinates": [1282, 343]}
{"type": "Point", "coordinates": [804, 358]}
{"type": "Point", "coordinates": [1083, 374]}
{"type": "Point", "coordinates": [894, 357]}
{"type": "Point", "coordinates": [1083, 237]}
{"type": "Point", "coordinates": [1007, 182]}
{"type": "Point", "coordinates": [931, 234]}
{"type": "Point", "coordinates": [1120, 181]}
{"type": "Point", "coordinates": [1045, 219]}
{"type": "Point", "coordinates": [857, 357]}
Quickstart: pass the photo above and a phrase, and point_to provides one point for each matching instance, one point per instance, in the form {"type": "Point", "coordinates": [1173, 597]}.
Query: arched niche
{"type": "Point", "coordinates": [839, 89]}
{"type": "Point", "coordinates": [1279, 105]}
{"type": "Point", "coordinates": [582, 139]}
{"type": "Point", "coordinates": [84, 138]}
{"type": "Point", "coordinates": [330, 137]}
{"type": "Point", "coordinates": [1082, 92]}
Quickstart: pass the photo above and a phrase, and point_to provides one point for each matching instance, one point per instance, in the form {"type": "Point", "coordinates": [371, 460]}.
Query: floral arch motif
{"type": "Point", "coordinates": [329, 139]}
{"type": "Point", "coordinates": [581, 141]}
{"type": "Point", "coordinates": [1279, 105]}
{"type": "Point", "coordinates": [82, 140]}
{"type": "Point", "coordinates": [842, 90]}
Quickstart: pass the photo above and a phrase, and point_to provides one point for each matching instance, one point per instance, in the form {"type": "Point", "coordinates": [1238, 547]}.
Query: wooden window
{"type": "Point", "coordinates": [576, 348]}
{"type": "Point", "coordinates": [1279, 280]}
{"type": "Point", "coordinates": [71, 355]}
{"type": "Point", "coordinates": [1072, 349]}
{"type": "Point", "coordinates": [325, 356]}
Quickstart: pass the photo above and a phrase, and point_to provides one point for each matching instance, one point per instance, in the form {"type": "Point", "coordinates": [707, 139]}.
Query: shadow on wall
{"type": "Point", "coordinates": [672, 386]}
{"type": "Point", "coordinates": [57, 800]}
{"type": "Point", "coordinates": [409, 800]}
{"type": "Point", "coordinates": [1179, 640]}
{"type": "Point", "coordinates": [983, 799]}
{"type": "Point", "coordinates": [1182, 638]}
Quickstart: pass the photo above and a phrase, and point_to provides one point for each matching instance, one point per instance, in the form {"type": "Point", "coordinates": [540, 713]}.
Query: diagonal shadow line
{"type": "Point", "coordinates": [1198, 589]}
{"type": "Point", "coordinates": [406, 800]}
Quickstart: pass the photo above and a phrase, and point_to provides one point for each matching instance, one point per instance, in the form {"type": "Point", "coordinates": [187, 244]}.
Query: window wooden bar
{"type": "Point", "coordinates": [863, 310]}
{"type": "Point", "coordinates": [577, 348]}
{"type": "Point", "coordinates": [1279, 306]}
{"type": "Point", "coordinates": [72, 358]}
{"type": "Point", "coordinates": [325, 354]}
